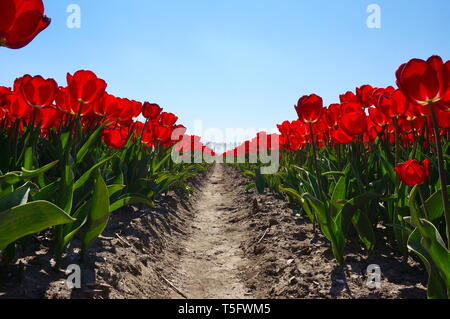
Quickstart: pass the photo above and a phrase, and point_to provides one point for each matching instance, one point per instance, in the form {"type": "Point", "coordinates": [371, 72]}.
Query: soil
{"type": "Point", "coordinates": [220, 242]}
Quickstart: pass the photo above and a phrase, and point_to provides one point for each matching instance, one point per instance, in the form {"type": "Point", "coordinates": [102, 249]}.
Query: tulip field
{"type": "Point", "coordinates": [73, 155]}
{"type": "Point", "coordinates": [380, 157]}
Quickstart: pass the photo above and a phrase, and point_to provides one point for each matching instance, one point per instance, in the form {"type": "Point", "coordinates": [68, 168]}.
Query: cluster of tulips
{"type": "Point", "coordinates": [379, 157]}
{"type": "Point", "coordinates": [73, 155]}
{"type": "Point", "coordinates": [40, 102]}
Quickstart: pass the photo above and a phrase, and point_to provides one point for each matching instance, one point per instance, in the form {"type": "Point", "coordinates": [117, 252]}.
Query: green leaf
{"type": "Point", "coordinates": [364, 228]}
{"type": "Point", "coordinates": [318, 207]}
{"type": "Point", "coordinates": [31, 174]}
{"type": "Point", "coordinates": [435, 205]}
{"type": "Point", "coordinates": [339, 193]}
{"type": "Point", "coordinates": [427, 243]}
{"type": "Point", "coordinates": [18, 197]}
{"type": "Point", "coordinates": [87, 175]}
{"type": "Point", "coordinates": [30, 218]}
{"type": "Point", "coordinates": [99, 213]}
{"type": "Point", "coordinates": [260, 182]}
{"type": "Point", "coordinates": [46, 193]}
{"type": "Point", "coordinates": [157, 166]}
{"type": "Point", "coordinates": [114, 189]}
{"type": "Point", "coordinates": [13, 178]}
{"type": "Point", "coordinates": [88, 145]}
{"type": "Point", "coordinates": [363, 199]}
{"type": "Point", "coordinates": [250, 187]}
{"type": "Point", "coordinates": [130, 199]}
{"type": "Point", "coordinates": [336, 173]}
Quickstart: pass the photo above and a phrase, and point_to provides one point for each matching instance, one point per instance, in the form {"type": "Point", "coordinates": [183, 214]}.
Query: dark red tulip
{"type": "Point", "coordinates": [66, 103]}
{"type": "Point", "coordinates": [4, 92]}
{"type": "Point", "coordinates": [85, 86]}
{"type": "Point", "coordinates": [424, 81]}
{"type": "Point", "coordinates": [351, 107]}
{"type": "Point", "coordinates": [354, 123]}
{"type": "Point", "coordinates": [364, 95]}
{"type": "Point", "coordinates": [115, 138]}
{"type": "Point", "coordinates": [413, 173]}
{"type": "Point", "coordinates": [17, 107]}
{"type": "Point", "coordinates": [332, 115]}
{"type": "Point", "coordinates": [310, 108]}
{"type": "Point", "coordinates": [168, 119]}
{"type": "Point", "coordinates": [106, 105]}
{"type": "Point", "coordinates": [393, 106]}
{"type": "Point", "coordinates": [48, 117]}
{"type": "Point", "coordinates": [38, 92]}
{"type": "Point", "coordinates": [339, 136]}
{"type": "Point", "coordinates": [443, 119]}
{"type": "Point", "coordinates": [410, 125]}
{"type": "Point", "coordinates": [151, 111]}
{"type": "Point", "coordinates": [444, 105]}
{"type": "Point", "coordinates": [162, 133]}
{"type": "Point", "coordinates": [21, 21]}
{"type": "Point", "coordinates": [378, 117]}
{"type": "Point", "coordinates": [348, 97]}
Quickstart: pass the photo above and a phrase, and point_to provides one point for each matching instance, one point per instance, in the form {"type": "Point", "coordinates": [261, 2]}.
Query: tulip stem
{"type": "Point", "coordinates": [442, 174]}
{"type": "Point", "coordinates": [422, 199]}
{"type": "Point", "coordinates": [316, 166]}
{"type": "Point", "coordinates": [397, 141]}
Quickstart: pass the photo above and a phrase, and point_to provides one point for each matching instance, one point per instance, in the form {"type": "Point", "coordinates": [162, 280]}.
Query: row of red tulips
{"type": "Point", "coordinates": [352, 163]}
{"type": "Point", "coordinates": [81, 154]}
{"type": "Point", "coordinates": [73, 155]}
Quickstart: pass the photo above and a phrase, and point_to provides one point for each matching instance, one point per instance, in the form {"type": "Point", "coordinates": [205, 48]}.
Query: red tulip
{"type": "Point", "coordinates": [38, 92]}
{"type": "Point", "coordinates": [341, 137]}
{"type": "Point", "coordinates": [424, 81]}
{"type": "Point", "coordinates": [115, 138]}
{"type": "Point", "coordinates": [21, 21]}
{"type": "Point", "coordinates": [4, 92]}
{"type": "Point", "coordinates": [351, 107]}
{"type": "Point", "coordinates": [444, 105]}
{"type": "Point", "coordinates": [332, 115]}
{"type": "Point", "coordinates": [413, 173]}
{"type": "Point", "coordinates": [162, 133]}
{"type": "Point", "coordinates": [364, 95]}
{"type": "Point", "coordinates": [168, 119]}
{"type": "Point", "coordinates": [443, 119]}
{"type": "Point", "coordinates": [17, 107]}
{"type": "Point", "coordinates": [411, 125]}
{"type": "Point", "coordinates": [151, 111]}
{"type": "Point", "coordinates": [354, 123]}
{"type": "Point", "coordinates": [310, 108]}
{"type": "Point", "coordinates": [378, 117]}
{"type": "Point", "coordinates": [48, 117]}
{"type": "Point", "coordinates": [393, 106]}
{"type": "Point", "coordinates": [66, 103]}
{"type": "Point", "coordinates": [348, 97]}
{"type": "Point", "coordinates": [85, 86]}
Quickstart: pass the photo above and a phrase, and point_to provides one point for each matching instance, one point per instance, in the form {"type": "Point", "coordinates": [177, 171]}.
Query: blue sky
{"type": "Point", "coordinates": [233, 63]}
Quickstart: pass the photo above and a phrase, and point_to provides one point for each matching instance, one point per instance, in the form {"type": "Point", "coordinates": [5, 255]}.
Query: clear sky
{"type": "Point", "coordinates": [233, 63]}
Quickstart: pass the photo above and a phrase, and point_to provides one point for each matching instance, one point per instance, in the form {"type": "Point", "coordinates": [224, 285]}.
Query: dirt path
{"type": "Point", "coordinates": [211, 265]}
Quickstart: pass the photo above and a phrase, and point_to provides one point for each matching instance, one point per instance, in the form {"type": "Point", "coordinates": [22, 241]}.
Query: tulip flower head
{"type": "Point", "coordinates": [310, 108]}
{"type": "Point", "coordinates": [424, 82]}
{"type": "Point", "coordinates": [413, 172]}
{"type": "Point", "coordinates": [21, 21]}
